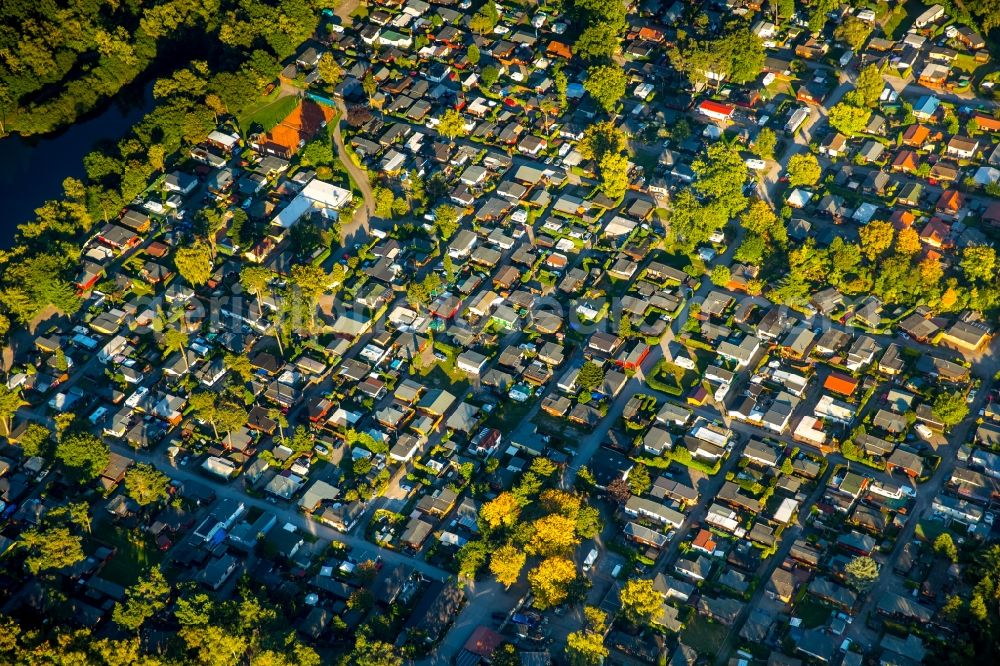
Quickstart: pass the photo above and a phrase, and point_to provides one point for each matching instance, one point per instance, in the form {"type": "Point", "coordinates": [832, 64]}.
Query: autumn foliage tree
{"type": "Point", "coordinates": [550, 581]}
{"type": "Point", "coordinates": [503, 511]}
{"type": "Point", "coordinates": [506, 563]}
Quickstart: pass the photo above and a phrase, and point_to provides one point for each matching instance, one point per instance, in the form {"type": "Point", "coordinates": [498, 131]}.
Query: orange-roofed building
{"type": "Point", "coordinates": [950, 203]}
{"type": "Point", "coordinates": [935, 233]}
{"type": "Point", "coordinates": [841, 383]}
{"type": "Point", "coordinates": [987, 123]}
{"type": "Point", "coordinates": [916, 136]}
{"type": "Point", "coordinates": [559, 50]}
{"type": "Point", "coordinates": [650, 34]}
{"type": "Point", "coordinates": [902, 219]}
{"type": "Point", "coordinates": [298, 128]}
{"type": "Point", "coordinates": [906, 160]}
{"type": "Point", "coordinates": [704, 542]}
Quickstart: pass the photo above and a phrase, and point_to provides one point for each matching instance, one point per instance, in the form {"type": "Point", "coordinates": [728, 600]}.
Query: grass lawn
{"type": "Point", "coordinates": [812, 612]}
{"type": "Point", "coordinates": [704, 636]}
{"type": "Point", "coordinates": [136, 553]}
{"type": "Point", "coordinates": [445, 375]}
{"type": "Point", "coordinates": [509, 414]}
{"type": "Point", "coordinates": [929, 529]}
{"type": "Point", "coordinates": [269, 112]}
{"type": "Point", "coordinates": [900, 19]}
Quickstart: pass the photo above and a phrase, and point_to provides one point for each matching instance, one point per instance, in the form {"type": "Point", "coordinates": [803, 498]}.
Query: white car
{"type": "Point", "coordinates": [501, 30]}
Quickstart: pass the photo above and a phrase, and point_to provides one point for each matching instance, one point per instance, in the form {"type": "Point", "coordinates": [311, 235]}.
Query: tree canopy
{"type": "Point", "coordinates": [83, 454]}
{"type": "Point", "coordinates": [606, 84]}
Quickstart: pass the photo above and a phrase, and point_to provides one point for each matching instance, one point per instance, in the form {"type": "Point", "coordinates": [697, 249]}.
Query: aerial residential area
{"type": "Point", "coordinates": [448, 332]}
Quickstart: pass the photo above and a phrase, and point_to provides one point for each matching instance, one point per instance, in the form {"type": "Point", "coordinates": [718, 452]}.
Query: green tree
{"type": "Point", "coordinates": [979, 263]}
{"type": "Point", "coordinates": [599, 41]}
{"type": "Point", "coordinates": [950, 408]}
{"type": "Point", "coordinates": [485, 19]}
{"type": "Point", "coordinates": [639, 481]}
{"type": "Point", "coordinates": [850, 120]}
{"type": "Point", "coordinates": [176, 340]}
{"type": "Point", "coordinates": [446, 221]}
{"type": "Point", "coordinates": [640, 601]}
{"type": "Point", "coordinates": [722, 172]}
{"type": "Point", "coordinates": [51, 548]}
{"type": "Point", "coordinates": [146, 484]}
{"type": "Point", "coordinates": [720, 275]}
{"type": "Point", "coordinates": [590, 376]}
{"type": "Point", "coordinates": [862, 572]}
{"type": "Point", "coordinates": [606, 84]}
{"type": "Point", "coordinates": [803, 170]}
{"type": "Point", "coordinates": [255, 280]}
{"type": "Point", "coordinates": [600, 139]}
{"type": "Point", "coordinates": [369, 652]}
{"type": "Point", "coordinates": [853, 32]}
{"type": "Point", "coordinates": [452, 125]}
{"type": "Point", "coordinates": [765, 143]}
{"type": "Point", "coordinates": [489, 76]}
{"type": "Point", "coordinates": [867, 88]}
{"type": "Point", "coordinates": [614, 175]}
{"type": "Point", "coordinates": [10, 402]}
{"type": "Point", "coordinates": [876, 238]}
{"type": "Point", "coordinates": [83, 454]}
{"type": "Point", "coordinates": [384, 198]}
{"type": "Point", "coordinates": [471, 558]}
{"type": "Point", "coordinates": [945, 547]}
{"type": "Point", "coordinates": [142, 601]}
{"type": "Point", "coordinates": [588, 522]}
{"type": "Point", "coordinates": [36, 440]}
{"type": "Point", "coordinates": [625, 327]}
{"type": "Point", "coordinates": [194, 263]}
{"type": "Point", "coordinates": [472, 54]}
{"type": "Point", "coordinates": [329, 69]}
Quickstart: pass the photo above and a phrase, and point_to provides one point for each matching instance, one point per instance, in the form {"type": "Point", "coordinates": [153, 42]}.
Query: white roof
{"type": "Point", "coordinates": [325, 194]}
{"type": "Point", "coordinates": [223, 139]}
{"type": "Point", "coordinates": [315, 193]}
{"type": "Point", "coordinates": [291, 213]}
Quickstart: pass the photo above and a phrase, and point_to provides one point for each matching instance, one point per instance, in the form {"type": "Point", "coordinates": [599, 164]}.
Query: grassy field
{"type": "Point", "coordinates": [704, 636]}
{"type": "Point", "coordinates": [269, 112]}
{"type": "Point", "coordinates": [812, 612]}
{"type": "Point", "coordinates": [136, 553]}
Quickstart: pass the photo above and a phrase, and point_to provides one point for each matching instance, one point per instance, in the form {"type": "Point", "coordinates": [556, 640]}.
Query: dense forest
{"type": "Point", "coordinates": [61, 58]}
{"type": "Point", "coordinates": [61, 61]}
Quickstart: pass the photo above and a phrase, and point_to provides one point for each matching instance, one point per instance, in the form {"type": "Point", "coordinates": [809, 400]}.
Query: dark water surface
{"type": "Point", "coordinates": [32, 169]}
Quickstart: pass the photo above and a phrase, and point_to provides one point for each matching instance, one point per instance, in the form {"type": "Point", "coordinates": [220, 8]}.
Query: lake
{"type": "Point", "coordinates": [32, 169]}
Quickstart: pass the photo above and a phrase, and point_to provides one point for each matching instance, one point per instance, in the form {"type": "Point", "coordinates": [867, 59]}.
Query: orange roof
{"type": "Point", "coordinates": [301, 124]}
{"type": "Point", "coordinates": [987, 122]}
{"type": "Point", "coordinates": [950, 200]}
{"type": "Point", "coordinates": [935, 232]}
{"type": "Point", "coordinates": [559, 49]}
{"type": "Point", "coordinates": [902, 219]}
{"type": "Point", "coordinates": [704, 541]}
{"type": "Point", "coordinates": [840, 383]}
{"type": "Point", "coordinates": [651, 34]}
{"type": "Point", "coordinates": [916, 135]}
{"type": "Point", "coordinates": [906, 159]}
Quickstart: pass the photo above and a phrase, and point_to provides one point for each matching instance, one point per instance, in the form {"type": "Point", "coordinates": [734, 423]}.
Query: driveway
{"type": "Point", "coordinates": [360, 178]}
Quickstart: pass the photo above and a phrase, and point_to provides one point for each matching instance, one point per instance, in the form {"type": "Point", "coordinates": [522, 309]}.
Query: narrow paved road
{"type": "Point", "coordinates": [285, 513]}
{"type": "Point", "coordinates": [360, 178]}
